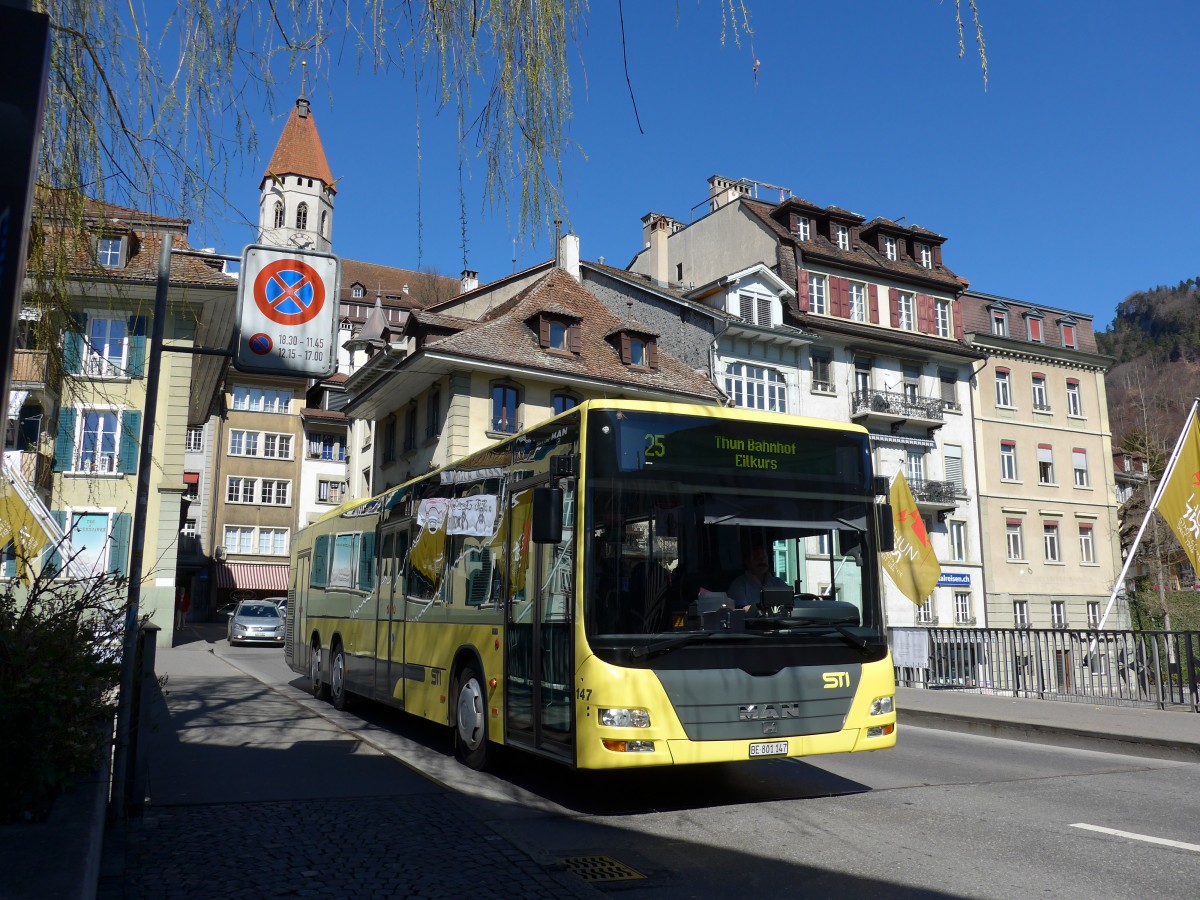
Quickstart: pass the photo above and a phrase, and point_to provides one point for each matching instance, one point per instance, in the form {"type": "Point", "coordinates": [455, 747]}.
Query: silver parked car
{"type": "Point", "coordinates": [256, 621]}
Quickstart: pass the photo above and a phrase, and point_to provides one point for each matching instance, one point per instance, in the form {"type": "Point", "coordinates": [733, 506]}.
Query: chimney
{"type": "Point", "coordinates": [568, 254]}
{"type": "Point", "coordinates": [722, 191]}
{"type": "Point", "coordinates": [469, 281]}
{"type": "Point", "coordinates": [660, 230]}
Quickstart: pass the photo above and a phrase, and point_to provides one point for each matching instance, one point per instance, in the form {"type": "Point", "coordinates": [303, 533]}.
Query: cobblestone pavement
{"type": "Point", "coordinates": [396, 847]}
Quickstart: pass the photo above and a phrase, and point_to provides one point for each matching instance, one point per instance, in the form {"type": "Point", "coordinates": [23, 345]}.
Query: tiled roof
{"type": "Point", "coordinates": [141, 259]}
{"type": "Point", "coordinates": [504, 337]}
{"type": "Point", "coordinates": [404, 287]}
{"type": "Point", "coordinates": [299, 151]}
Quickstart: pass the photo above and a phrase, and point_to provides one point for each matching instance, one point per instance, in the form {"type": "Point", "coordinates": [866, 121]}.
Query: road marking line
{"type": "Point", "coordinates": [1195, 848]}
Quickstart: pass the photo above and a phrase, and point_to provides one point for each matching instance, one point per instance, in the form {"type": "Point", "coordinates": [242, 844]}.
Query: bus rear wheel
{"type": "Point", "coordinates": [470, 720]}
{"type": "Point", "coordinates": [320, 690]}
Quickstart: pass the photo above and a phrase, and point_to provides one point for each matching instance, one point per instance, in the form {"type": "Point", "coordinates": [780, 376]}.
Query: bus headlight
{"type": "Point", "coordinates": [881, 706]}
{"type": "Point", "coordinates": [625, 718]}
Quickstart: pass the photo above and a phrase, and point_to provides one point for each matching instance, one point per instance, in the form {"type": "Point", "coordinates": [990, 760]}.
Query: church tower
{"type": "Point", "coordinates": [295, 205]}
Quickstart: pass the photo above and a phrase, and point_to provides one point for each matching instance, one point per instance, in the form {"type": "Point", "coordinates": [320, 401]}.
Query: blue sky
{"type": "Point", "coordinates": [1069, 182]}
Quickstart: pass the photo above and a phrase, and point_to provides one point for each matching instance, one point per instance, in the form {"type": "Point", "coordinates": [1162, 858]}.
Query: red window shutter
{"type": "Point", "coordinates": [543, 331]}
{"type": "Point", "coordinates": [894, 296]}
{"type": "Point", "coordinates": [924, 314]}
{"type": "Point", "coordinates": [839, 289]}
{"type": "Point", "coordinates": [1012, 522]}
{"type": "Point", "coordinates": [802, 291]}
{"type": "Point", "coordinates": [1007, 443]}
{"type": "Point", "coordinates": [958, 322]}
{"type": "Point", "coordinates": [575, 338]}
{"type": "Point", "coordinates": [873, 302]}
{"type": "Point", "coordinates": [625, 354]}
{"type": "Point", "coordinates": [652, 354]}
{"type": "Point", "coordinates": [1001, 370]}
{"type": "Point", "coordinates": [937, 254]}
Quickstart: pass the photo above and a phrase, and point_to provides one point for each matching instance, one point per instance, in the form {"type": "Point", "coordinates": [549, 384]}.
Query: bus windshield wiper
{"type": "Point", "coordinates": [646, 651]}
{"type": "Point", "coordinates": [786, 622]}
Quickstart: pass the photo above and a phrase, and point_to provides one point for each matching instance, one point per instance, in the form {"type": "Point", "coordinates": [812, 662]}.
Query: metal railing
{"type": "Point", "coordinates": [895, 404]}
{"type": "Point", "coordinates": [943, 492]}
{"type": "Point", "coordinates": [1159, 669]}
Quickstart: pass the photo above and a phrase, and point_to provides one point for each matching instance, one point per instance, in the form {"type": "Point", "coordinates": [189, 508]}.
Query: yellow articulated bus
{"type": "Point", "coordinates": [579, 591]}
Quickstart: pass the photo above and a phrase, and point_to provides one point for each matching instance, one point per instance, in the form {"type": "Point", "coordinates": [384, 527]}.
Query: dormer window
{"type": "Point", "coordinates": [639, 350]}
{"type": "Point", "coordinates": [999, 319]}
{"type": "Point", "coordinates": [1033, 324]}
{"type": "Point", "coordinates": [889, 247]}
{"type": "Point", "coordinates": [639, 353]}
{"type": "Point", "coordinates": [1067, 329]}
{"type": "Point", "coordinates": [755, 307]}
{"type": "Point", "coordinates": [841, 235]}
{"type": "Point", "coordinates": [558, 334]}
{"type": "Point", "coordinates": [357, 291]}
{"type": "Point", "coordinates": [925, 256]}
{"type": "Point", "coordinates": [110, 252]}
{"type": "Point", "coordinates": [804, 229]}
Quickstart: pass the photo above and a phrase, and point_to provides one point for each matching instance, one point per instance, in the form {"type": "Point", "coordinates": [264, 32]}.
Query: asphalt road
{"type": "Point", "coordinates": [944, 814]}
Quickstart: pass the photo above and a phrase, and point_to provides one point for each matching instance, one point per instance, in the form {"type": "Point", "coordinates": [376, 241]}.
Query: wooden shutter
{"type": "Point", "coordinates": [625, 354]}
{"type": "Point", "coordinates": [873, 302]}
{"type": "Point", "coordinates": [73, 344]}
{"type": "Point", "coordinates": [136, 367]}
{"type": "Point", "coordinates": [894, 297]}
{"type": "Point", "coordinates": [118, 545]}
{"type": "Point", "coordinates": [958, 322]}
{"type": "Point", "coordinates": [924, 313]}
{"type": "Point", "coordinates": [64, 444]}
{"type": "Point", "coordinates": [543, 331]}
{"type": "Point", "coordinates": [131, 433]}
{"type": "Point", "coordinates": [652, 354]}
{"type": "Point", "coordinates": [802, 291]}
{"type": "Point", "coordinates": [575, 338]}
{"type": "Point", "coordinates": [839, 300]}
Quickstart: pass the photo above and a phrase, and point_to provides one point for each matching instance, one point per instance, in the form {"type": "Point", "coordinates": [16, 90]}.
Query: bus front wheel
{"type": "Point", "coordinates": [320, 689]}
{"type": "Point", "coordinates": [470, 720]}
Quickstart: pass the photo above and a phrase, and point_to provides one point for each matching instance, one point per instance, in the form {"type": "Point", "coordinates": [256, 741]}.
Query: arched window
{"type": "Point", "coordinates": [325, 223]}
{"type": "Point", "coordinates": [302, 217]}
{"type": "Point", "coordinates": [278, 214]}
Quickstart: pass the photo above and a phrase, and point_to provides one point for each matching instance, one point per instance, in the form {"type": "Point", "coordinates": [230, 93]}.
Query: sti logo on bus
{"type": "Point", "coordinates": [836, 680]}
{"type": "Point", "coordinates": [754, 712]}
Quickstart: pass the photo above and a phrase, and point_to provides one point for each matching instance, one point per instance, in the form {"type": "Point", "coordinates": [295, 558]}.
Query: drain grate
{"type": "Point", "coordinates": [601, 868]}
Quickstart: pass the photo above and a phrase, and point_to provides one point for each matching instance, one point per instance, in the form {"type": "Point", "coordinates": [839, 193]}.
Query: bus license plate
{"type": "Point", "coordinates": [769, 748]}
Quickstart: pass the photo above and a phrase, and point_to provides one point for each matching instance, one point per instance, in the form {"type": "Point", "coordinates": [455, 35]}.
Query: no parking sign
{"type": "Point", "coordinates": [287, 312]}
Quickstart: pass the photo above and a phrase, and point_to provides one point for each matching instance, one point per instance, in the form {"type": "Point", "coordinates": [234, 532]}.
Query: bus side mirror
{"type": "Point", "coordinates": [547, 515]}
{"type": "Point", "coordinates": [887, 528]}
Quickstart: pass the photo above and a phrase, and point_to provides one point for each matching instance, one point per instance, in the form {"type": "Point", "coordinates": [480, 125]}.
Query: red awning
{"type": "Point", "coordinates": [252, 577]}
{"type": "Point", "coordinates": [191, 477]}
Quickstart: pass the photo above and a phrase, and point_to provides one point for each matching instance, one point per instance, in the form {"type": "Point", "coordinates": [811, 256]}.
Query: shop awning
{"type": "Point", "coordinates": [251, 577]}
{"type": "Point", "coordinates": [191, 477]}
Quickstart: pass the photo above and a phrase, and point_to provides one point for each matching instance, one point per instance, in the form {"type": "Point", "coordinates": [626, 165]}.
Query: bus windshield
{"type": "Point", "coordinates": [734, 531]}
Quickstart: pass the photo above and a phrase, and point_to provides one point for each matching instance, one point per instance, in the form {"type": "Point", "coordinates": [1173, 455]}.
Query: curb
{"type": "Point", "coordinates": [1079, 739]}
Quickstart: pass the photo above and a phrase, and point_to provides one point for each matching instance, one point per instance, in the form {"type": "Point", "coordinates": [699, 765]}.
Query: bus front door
{"type": "Point", "coordinates": [539, 639]}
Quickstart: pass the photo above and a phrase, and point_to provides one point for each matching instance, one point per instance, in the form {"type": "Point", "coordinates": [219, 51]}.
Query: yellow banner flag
{"type": "Point", "coordinates": [19, 526]}
{"type": "Point", "coordinates": [1179, 502]}
{"type": "Point", "coordinates": [913, 567]}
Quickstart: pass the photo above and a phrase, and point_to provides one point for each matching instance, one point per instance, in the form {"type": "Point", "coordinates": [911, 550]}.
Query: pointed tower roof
{"type": "Point", "coordinates": [299, 151]}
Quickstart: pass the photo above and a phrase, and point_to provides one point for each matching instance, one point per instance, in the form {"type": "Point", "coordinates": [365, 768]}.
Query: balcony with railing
{"type": "Point", "coordinates": [895, 409]}
{"type": "Point", "coordinates": [31, 369]}
{"type": "Point", "coordinates": [934, 496]}
{"type": "Point", "coordinates": [37, 469]}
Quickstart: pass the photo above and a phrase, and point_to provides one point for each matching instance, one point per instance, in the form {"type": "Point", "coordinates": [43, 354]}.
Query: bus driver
{"type": "Point", "coordinates": [746, 590]}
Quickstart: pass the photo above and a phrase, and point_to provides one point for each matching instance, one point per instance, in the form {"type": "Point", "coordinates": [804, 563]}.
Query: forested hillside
{"type": "Point", "coordinates": [1155, 340]}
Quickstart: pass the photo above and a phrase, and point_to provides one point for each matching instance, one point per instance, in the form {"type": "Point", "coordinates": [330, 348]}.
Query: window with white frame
{"type": "Point", "coordinates": [841, 236]}
{"type": "Point", "coordinates": [98, 442]}
{"type": "Point", "coordinates": [256, 399]}
{"type": "Point", "coordinates": [1003, 388]}
{"type": "Point", "coordinates": [858, 301]}
{"type": "Point", "coordinates": [332, 447]}
{"type": "Point", "coordinates": [1000, 322]}
{"type": "Point", "coordinates": [240, 490]}
{"type": "Point", "coordinates": [818, 293]}
{"type": "Point", "coordinates": [1015, 541]}
{"type": "Point", "coordinates": [189, 528]}
{"type": "Point", "coordinates": [239, 539]}
{"type": "Point", "coordinates": [275, 492]}
{"type": "Point", "coordinates": [106, 348]}
{"type": "Point", "coordinates": [819, 545]}
{"type": "Point", "coordinates": [110, 252]}
{"type": "Point", "coordinates": [506, 401]}
{"type": "Point", "coordinates": [1093, 614]}
{"type": "Point", "coordinates": [194, 442]}
{"type": "Point", "coordinates": [948, 384]}
{"type": "Point", "coordinates": [925, 613]}
{"type": "Point", "coordinates": [962, 608]}
{"type": "Point", "coordinates": [756, 307]}
{"type": "Point", "coordinates": [958, 540]}
{"type": "Point", "coordinates": [1008, 461]}
{"type": "Point", "coordinates": [279, 214]}
{"type": "Point", "coordinates": [1050, 542]}
{"type": "Point", "coordinates": [941, 318]}
{"type": "Point", "coordinates": [914, 467]}
{"type": "Point", "coordinates": [907, 310]}
{"type": "Point", "coordinates": [822, 380]}
{"type": "Point", "coordinates": [1021, 613]}
{"type": "Point", "coordinates": [1045, 454]}
{"type": "Point", "coordinates": [1068, 335]}
{"type": "Point", "coordinates": [1041, 399]}
{"type": "Point", "coordinates": [1087, 544]}
{"type": "Point", "coordinates": [357, 291]}
{"type": "Point", "coordinates": [272, 542]}
{"type": "Point", "coordinates": [889, 247]}
{"type": "Point", "coordinates": [1079, 464]}
{"type": "Point", "coordinates": [862, 376]}
{"type": "Point", "coordinates": [925, 256]}
{"type": "Point", "coordinates": [191, 486]}
{"type": "Point", "coordinates": [804, 228]}
{"type": "Point", "coordinates": [1058, 613]}
{"type": "Point", "coordinates": [276, 446]}
{"type": "Point", "coordinates": [331, 491]}
{"type": "Point", "coordinates": [912, 383]}
{"type": "Point", "coordinates": [243, 443]}
{"type": "Point", "coordinates": [1074, 399]}
{"type": "Point", "coordinates": [755, 387]}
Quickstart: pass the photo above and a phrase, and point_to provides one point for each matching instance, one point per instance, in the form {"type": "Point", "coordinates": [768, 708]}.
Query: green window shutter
{"type": "Point", "coordinates": [73, 345]}
{"type": "Point", "coordinates": [137, 347]}
{"type": "Point", "coordinates": [9, 556]}
{"type": "Point", "coordinates": [64, 444]}
{"type": "Point", "coordinates": [118, 544]}
{"type": "Point", "coordinates": [53, 558]}
{"type": "Point", "coordinates": [366, 562]}
{"type": "Point", "coordinates": [131, 433]}
{"type": "Point", "coordinates": [320, 563]}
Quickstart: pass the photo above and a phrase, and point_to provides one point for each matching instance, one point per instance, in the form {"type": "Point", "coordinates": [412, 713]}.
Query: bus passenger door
{"type": "Point", "coordinates": [393, 557]}
{"type": "Point", "coordinates": [539, 643]}
{"type": "Point", "coordinates": [295, 641]}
